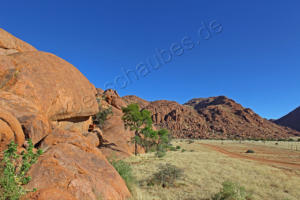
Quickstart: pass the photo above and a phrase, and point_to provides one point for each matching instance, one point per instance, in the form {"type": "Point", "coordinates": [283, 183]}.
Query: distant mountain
{"type": "Point", "coordinates": [214, 117]}
{"type": "Point", "coordinates": [291, 120]}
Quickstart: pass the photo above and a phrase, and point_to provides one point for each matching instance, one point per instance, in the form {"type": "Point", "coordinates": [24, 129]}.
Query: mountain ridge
{"type": "Point", "coordinates": [211, 118]}
{"type": "Point", "coordinates": [291, 120]}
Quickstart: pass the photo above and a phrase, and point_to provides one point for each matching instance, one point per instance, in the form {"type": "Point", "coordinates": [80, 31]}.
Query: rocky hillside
{"type": "Point", "coordinates": [115, 139]}
{"type": "Point", "coordinates": [46, 99]}
{"type": "Point", "coordinates": [215, 117]}
{"type": "Point", "coordinates": [291, 120]}
{"type": "Point", "coordinates": [227, 118]}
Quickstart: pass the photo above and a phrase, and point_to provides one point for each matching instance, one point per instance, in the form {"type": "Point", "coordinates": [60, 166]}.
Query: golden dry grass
{"type": "Point", "coordinates": [294, 146]}
{"type": "Point", "coordinates": [204, 172]}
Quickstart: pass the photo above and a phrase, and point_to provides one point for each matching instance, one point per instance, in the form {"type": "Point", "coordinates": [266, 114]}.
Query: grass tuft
{"type": "Point", "coordinates": [232, 191]}
{"type": "Point", "coordinates": [125, 171]}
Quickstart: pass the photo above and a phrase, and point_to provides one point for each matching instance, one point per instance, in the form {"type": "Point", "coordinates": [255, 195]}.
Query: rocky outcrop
{"type": "Point", "coordinates": [228, 119]}
{"type": "Point", "coordinates": [10, 44]}
{"type": "Point", "coordinates": [50, 83]}
{"type": "Point", "coordinates": [215, 117]}
{"type": "Point", "coordinates": [10, 129]}
{"type": "Point", "coordinates": [113, 99]}
{"type": "Point", "coordinates": [52, 91]}
{"type": "Point", "coordinates": [116, 141]}
{"type": "Point", "coordinates": [47, 100]}
{"type": "Point", "coordinates": [72, 164]}
{"type": "Point", "coordinates": [34, 123]}
{"type": "Point", "coordinates": [182, 121]}
{"type": "Point", "coordinates": [291, 120]}
{"type": "Point", "coordinates": [134, 99]}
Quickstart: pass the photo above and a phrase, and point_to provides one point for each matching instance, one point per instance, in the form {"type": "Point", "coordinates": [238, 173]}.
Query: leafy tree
{"type": "Point", "coordinates": [137, 120]}
{"type": "Point", "coordinates": [150, 138]}
{"type": "Point", "coordinates": [164, 137]}
{"type": "Point", "coordinates": [140, 121]}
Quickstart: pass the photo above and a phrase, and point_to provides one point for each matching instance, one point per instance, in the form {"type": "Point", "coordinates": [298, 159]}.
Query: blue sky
{"type": "Point", "coordinates": [254, 59]}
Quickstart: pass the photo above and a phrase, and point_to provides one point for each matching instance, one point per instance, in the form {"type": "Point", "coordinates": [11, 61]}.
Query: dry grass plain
{"type": "Point", "coordinates": [206, 168]}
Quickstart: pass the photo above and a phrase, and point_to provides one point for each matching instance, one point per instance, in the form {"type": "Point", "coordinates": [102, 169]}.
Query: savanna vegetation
{"type": "Point", "coordinates": [190, 170]}
{"type": "Point", "coordinates": [196, 172]}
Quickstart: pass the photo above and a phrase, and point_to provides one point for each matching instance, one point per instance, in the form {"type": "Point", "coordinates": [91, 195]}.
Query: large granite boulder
{"type": "Point", "coordinates": [34, 123]}
{"type": "Point", "coordinates": [46, 99]}
{"type": "Point", "coordinates": [42, 90]}
{"type": "Point", "coordinates": [74, 165]}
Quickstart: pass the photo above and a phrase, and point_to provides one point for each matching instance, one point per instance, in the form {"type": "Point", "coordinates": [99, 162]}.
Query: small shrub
{"type": "Point", "coordinates": [13, 171]}
{"type": "Point", "coordinates": [125, 171]}
{"type": "Point", "coordinates": [166, 176]}
{"type": "Point", "coordinates": [190, 141]}
{"type": "Point", "coordinates": [232, 191]}
{"type": "Point", "coordinates": [160, 154]}
{"type": "Point", "coordinates": [291, 140]}
{"type": "Point", "coordinates": [178, 147]}
{"type": "Point", "coordinates": [183, 150]}
{"type": "Point", "coordinates": [250, 151]}
{"type": "Point", "coordinates": [298, 139]}
{"type": "Point", "coordinates": [100, 118]}
{"type": "Point", "coordinates": [172, 148]}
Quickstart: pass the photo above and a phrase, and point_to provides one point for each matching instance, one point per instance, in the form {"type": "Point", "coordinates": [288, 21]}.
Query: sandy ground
{"type": "Point", "coordinates": [266, 155]}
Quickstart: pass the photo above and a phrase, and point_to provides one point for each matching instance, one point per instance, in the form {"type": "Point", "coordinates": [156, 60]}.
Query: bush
{"type": "Point", "coordinates": [250, 151]}
{"type": "Point", "coordinates": [190, 141]}
{"type": "Point", "coordinates": [14, 170]}
{"type": "Point", "coordinates": [172, 148]}
{"type": "Point", "coordinates": [178, 147]}
{"type": "Point", "coordinates": [183, 150]}
{"type": "Point", "coordinates": [298, 139]}
{"type": "Point", "coordinates": [166, 176]}
{"type": "Point", "coordinates": [232, 191]}
{"type": "Point", "coordinates": [291, 140]}
{"type": "Point", "coordinates": [160, 154]}
{"type": "Point", "coordinates": [125, 171]}
{"type": "Point", "coordinates": [100, 118]}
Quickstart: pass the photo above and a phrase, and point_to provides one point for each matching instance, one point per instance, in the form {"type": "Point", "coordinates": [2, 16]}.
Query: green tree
{"type": "Point", "coordinates": [164, 137]}
{"type": "Point", "coordinates": [137, 120]}
{"type": "Point", "coordinates": [140, 121]}
{"type": "Point", "coordinates": [150, 138]}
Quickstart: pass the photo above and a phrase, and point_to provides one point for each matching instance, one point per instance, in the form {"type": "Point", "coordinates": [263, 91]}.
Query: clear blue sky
{"type": "Point", "coordinates": [255, 59]}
